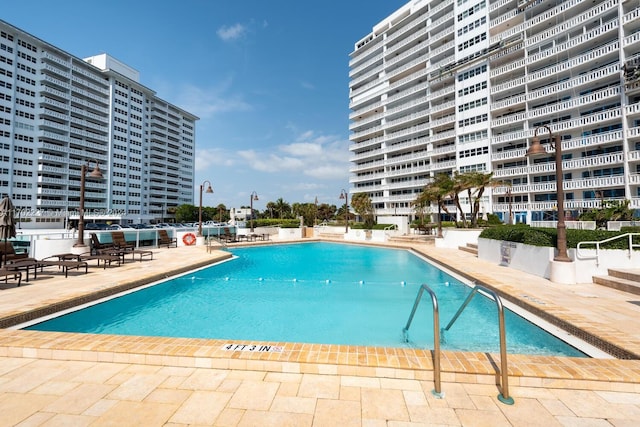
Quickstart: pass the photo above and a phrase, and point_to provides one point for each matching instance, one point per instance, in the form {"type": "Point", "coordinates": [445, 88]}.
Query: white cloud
{"type": "Point", "coordinates": [321, 157]}
{"type": "Point", "coordinates": [208, 158]}
{"type": "Point", "coordinates": [207, 102]}
{"type": "Point", "coordinates": [233, 32]}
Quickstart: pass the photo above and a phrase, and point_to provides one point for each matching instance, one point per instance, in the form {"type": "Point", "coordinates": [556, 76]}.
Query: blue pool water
{"type": "Point", "coordinates": [314, 293]}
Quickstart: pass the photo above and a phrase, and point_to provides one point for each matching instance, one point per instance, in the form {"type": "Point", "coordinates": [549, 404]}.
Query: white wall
{"type": "Point", "coordinates": [455, 237]}
{"type": "Point", "coordinates": [536, 259]}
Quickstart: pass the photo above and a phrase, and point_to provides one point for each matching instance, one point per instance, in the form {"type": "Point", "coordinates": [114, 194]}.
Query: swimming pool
{"type": "Point", "coordinates": [315, 293]}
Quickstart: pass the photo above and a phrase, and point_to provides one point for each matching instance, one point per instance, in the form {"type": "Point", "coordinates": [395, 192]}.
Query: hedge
{"type": "Point", "coordinates": [522, 233]}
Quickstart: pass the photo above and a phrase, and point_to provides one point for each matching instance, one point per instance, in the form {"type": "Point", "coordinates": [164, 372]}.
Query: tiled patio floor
{"type": "Point", "coordinates": [80, 379]}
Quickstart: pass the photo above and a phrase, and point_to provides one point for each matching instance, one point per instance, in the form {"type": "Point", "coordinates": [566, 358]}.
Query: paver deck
{"type": "Point", "coordinates": [49, 378]}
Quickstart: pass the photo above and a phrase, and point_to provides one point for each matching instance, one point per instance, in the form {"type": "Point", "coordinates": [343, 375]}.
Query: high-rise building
{"type": "Point", "coordinates": [445, 86]}
{"type": "Point", "coordinates": [59, 112]}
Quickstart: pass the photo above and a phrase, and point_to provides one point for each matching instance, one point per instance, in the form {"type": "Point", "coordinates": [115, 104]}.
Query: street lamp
{"type": "Point", "coordinates": [254, 196]}
{"type": "Point", "coordinates": [344, 195]}
{"type": "Point", "coordinates": [209, 191]}
{"type": "Point", "coordinates": [96, 173]}
{"type": "Point", "coordinates": [537, 149]}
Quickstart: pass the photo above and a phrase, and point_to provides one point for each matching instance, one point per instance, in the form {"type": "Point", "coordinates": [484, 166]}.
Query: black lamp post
{"type": "Point", "coordinates": [96, 173]}
{"type": "Point", "coordinates": [344, 195]}
{"type": "Point", "coordinates": [254, 196]}
{"type": "Point", "coordinates": [537, 149]}
{"type": "Point", "coordinates": [209, 191]}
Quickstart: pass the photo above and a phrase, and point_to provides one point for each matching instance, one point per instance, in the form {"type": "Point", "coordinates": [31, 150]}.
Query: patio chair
{"type": "Point", "coordinates": [96, 246]}
{"type": "Point", "coordinates": [105, 258]}
{"type": "Point", "coordinates": [227, 236]}
{"type": "Point", "coordinates": [8, 253]}
{"type": "Point", "coordinates": [16, 275]}
{"type": "Point", "coordinates": [165, 240]}
{"type": "Point", "coordinates": [119, 241]}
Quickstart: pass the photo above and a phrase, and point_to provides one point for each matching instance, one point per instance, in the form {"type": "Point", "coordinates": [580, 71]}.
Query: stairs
{"type": "Point", "coordinates": [470, 247]}
{"type": "Point", "coordinates": [622, 280]}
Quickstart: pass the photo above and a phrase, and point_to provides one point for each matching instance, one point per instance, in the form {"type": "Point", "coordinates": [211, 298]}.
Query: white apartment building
{"type": "Point", "coordinates": [58, 112]}
{"type": "Point", "coordinates": [462, 85]}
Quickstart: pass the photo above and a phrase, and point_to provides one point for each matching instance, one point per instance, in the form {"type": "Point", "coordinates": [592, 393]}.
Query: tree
{"type": "Point", "coordinates": [361, 203]}
{"type": "Point", "coordinates": [222, 214]}
{"type": "Point", "coordinates": [437, 191]}
{"type": "Point", "coordinates": [305, 210]}
{"type": "Point", "coordinates": [326, 211]}
{"type": "Point", "coordinates": [610, 210]}
{"type": "Point", "coordinates": [476, 183]}
{"type": "Point", "coordinates": [186, 213]}
{"type": "Point", "coordinates": [282, 208]}
{"type": "Point", "coordinates": [459, 184]}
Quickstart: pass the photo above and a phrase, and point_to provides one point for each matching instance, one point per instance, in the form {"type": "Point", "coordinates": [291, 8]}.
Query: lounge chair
{"type": "Point", "coordinates": [32, 264]}
{"type": "Point", "coordinates": [227, 236]}
{"type": "Point", "coordinates": [16, 275]}
{"type": "Point", "coordinates": [96, 246]}
{"type": "Point", "coordinates": [165, 240]}
{"type": "Point", "coordinates": [8, 253]}
{"type": "Point", "coordinates": [105, 258]}
{"type": "Point", "coordinates": [119, 241]}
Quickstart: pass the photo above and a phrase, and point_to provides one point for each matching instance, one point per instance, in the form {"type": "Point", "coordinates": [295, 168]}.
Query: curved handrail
{"type": "Point", "coordinates": [597, 244]}
{"type": "Point", "coordinates": [436, 335]}
{"type": "Point", "coordinates": [504, 396]}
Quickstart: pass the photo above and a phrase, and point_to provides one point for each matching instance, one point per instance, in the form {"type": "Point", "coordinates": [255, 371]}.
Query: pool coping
{"type": "Point", "coordinates": [541, 371]}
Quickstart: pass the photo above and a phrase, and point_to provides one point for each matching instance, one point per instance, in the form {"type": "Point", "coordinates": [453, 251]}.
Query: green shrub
{"type": "Point", "coordinates": [275, 222]}
{"type": "Point", "coordinates": [522, 233]}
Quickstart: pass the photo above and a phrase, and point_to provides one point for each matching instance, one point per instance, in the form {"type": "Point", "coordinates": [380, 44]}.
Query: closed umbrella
{"type": "Point", "coordinates": [7, 221]}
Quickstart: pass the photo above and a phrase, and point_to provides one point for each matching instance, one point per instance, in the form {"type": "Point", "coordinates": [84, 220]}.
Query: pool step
{"type": "Point", "coordinates": [622, 280]}
{"type": "Point", "coordinates": [470, 247]}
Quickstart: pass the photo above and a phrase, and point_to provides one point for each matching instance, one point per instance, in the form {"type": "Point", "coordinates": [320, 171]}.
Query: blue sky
{"type": "Point", "coordinates": [268, 79]}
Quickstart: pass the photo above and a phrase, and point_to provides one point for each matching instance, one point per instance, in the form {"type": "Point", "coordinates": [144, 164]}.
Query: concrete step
{"type": "Point", "coordinates": [412, 238]}
{"type": "Point", "coordinates": [470, 247]}
{"type": "Point", "coordinates": [629, 274]}
{"type": "Point", "coordinates": [625, 285]}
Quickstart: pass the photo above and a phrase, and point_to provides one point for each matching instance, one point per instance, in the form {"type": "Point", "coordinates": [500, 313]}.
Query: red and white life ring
{"type": "Point", "coordinates": [189, 239]}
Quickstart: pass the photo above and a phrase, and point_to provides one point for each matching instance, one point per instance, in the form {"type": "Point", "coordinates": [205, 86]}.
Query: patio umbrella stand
{"type": "Point", "coordinates": [7, 222]}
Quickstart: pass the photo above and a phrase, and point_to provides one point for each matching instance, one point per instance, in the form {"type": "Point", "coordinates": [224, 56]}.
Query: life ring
{"type": "Point", "coordinates": [189, 239]}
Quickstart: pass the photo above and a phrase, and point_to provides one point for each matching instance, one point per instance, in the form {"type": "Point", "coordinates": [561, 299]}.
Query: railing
{"type": "Point", "coordinates": [597, 244]}
{"type": "Point", "coordinates": [436, 335]}
{"type": "Point", "coordinates": [504, 396]}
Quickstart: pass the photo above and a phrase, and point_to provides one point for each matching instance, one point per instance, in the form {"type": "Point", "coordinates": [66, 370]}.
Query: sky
{"type": "Point", "coordinates": [269, 80]}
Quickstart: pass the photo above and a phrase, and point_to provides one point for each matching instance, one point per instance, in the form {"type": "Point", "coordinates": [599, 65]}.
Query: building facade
{"type": "Point", "coordinates": [59, 112]}
{"type": "Point", "coordinates": [445, 86]}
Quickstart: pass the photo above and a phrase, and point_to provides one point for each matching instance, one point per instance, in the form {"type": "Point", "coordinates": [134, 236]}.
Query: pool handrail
{"type": "Point", "coordinates": [597, 244]}
{"type": "Point", "coordinates": [436, 335]}
{"type": "Point", "coordinates": [504, 396]}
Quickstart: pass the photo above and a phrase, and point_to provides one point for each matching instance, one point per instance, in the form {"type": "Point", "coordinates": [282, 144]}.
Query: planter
{"type": "Point", "coordinates": [538, 260]}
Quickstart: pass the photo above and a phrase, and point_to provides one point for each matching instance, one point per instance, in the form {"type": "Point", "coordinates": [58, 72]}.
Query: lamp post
{"type": "Point", "coordinates": [344, 195]}
{"type": "Point", "coordinates": [209, 191]}
{"type": "Point", "coordinates": [96, 173]}
{"type": "Point", "coordinates": [536, 149]}
{"type": "Point", "coordinates": [254, 196]}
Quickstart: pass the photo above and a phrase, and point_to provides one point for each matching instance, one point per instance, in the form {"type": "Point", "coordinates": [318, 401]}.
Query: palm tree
{"type": "Point", "coordinates": [459, 184]}
{"type": "Point", "coordinates": [283, 208]}
{"type": "Point", "coordinates": [437, 191]}
{"type": "Point", "coordinates": [478, 181]}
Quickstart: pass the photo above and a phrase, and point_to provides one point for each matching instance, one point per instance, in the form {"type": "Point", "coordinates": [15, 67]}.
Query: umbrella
{"type": "Point", "coordinates": [7, 221]}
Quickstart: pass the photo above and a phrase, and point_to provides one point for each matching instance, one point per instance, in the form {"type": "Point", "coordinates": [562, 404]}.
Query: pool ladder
{"type": "Point", "coordinates": [502, 397]}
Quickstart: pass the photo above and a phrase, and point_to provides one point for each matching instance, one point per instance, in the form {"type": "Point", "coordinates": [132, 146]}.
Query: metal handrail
{"type": "Point", "coordinates": [436, 336]}
{"type": "Point", "coordinates": [504, 396]}
{"type": "Point", "coordinates": [598, 243]}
